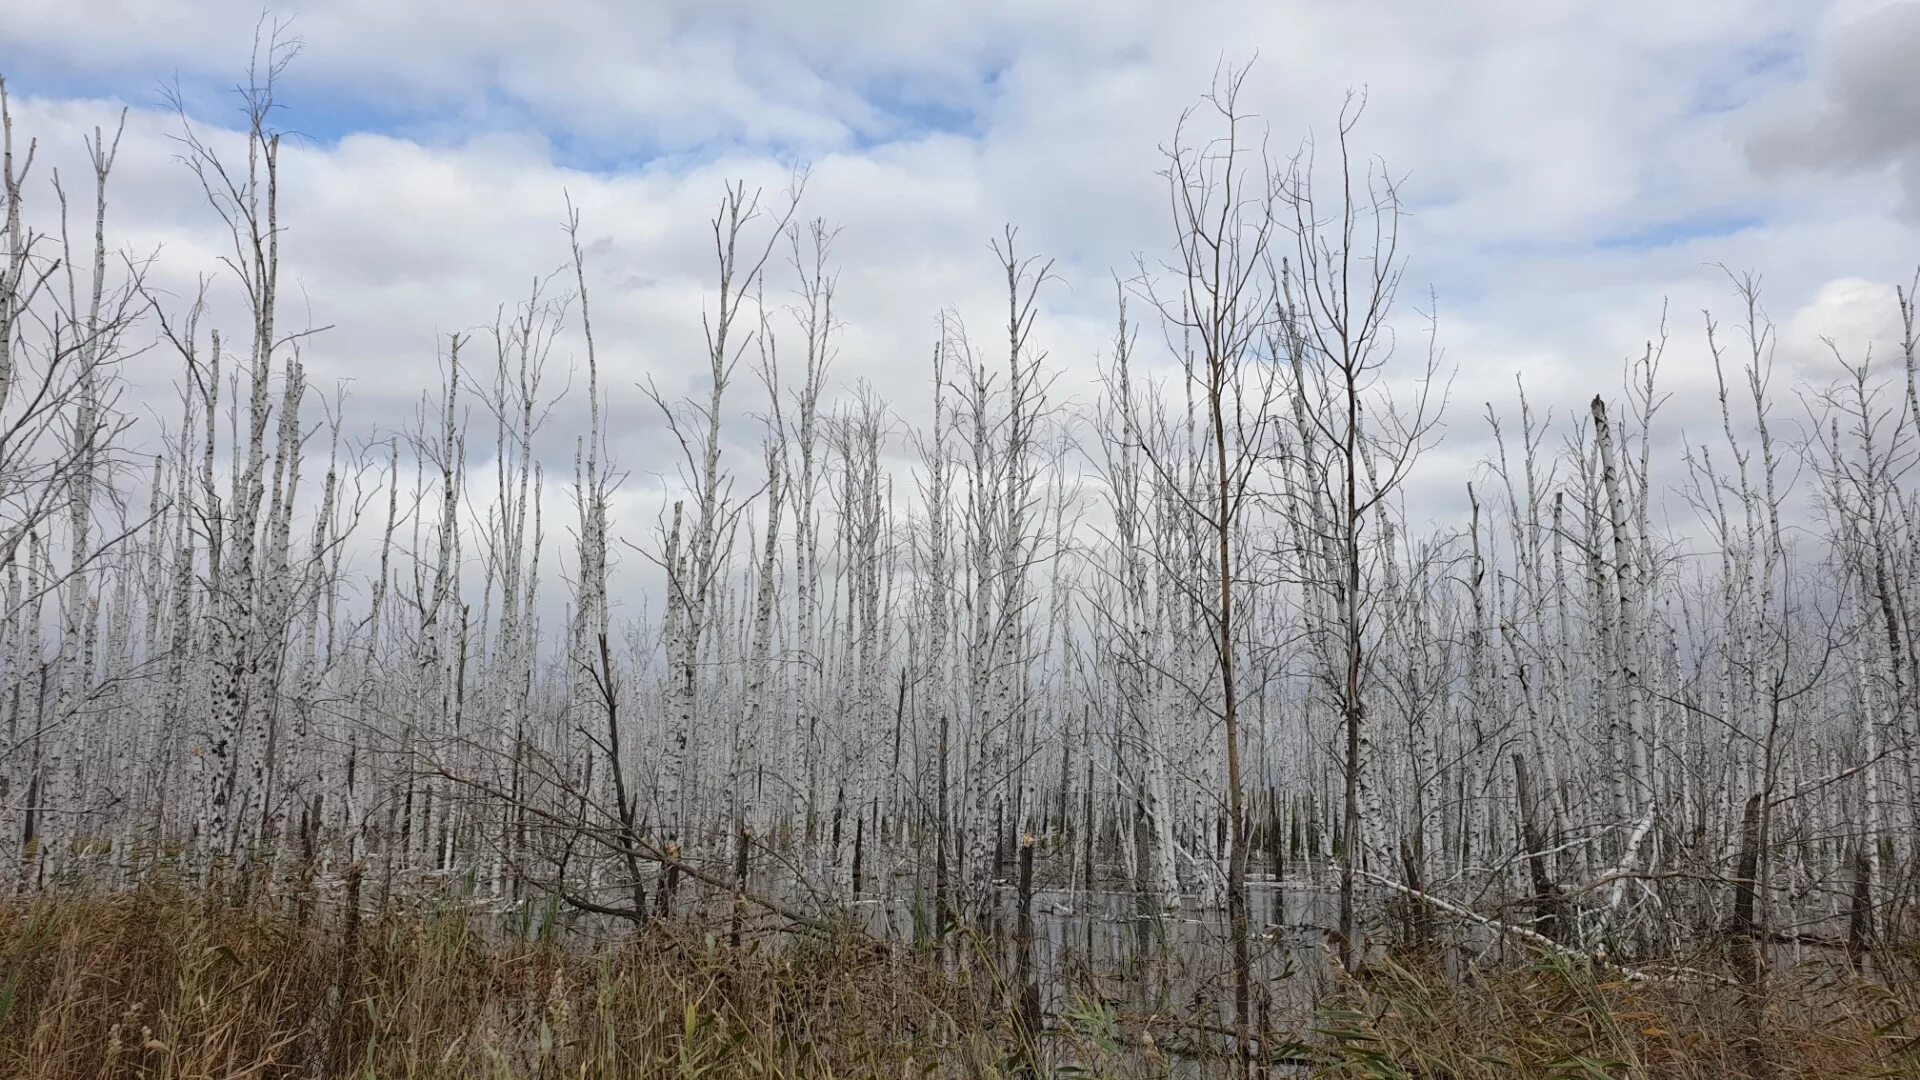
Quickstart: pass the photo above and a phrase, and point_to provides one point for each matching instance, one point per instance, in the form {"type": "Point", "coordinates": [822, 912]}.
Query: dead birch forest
{"type": "Point", "coordinates": [1181, 641]}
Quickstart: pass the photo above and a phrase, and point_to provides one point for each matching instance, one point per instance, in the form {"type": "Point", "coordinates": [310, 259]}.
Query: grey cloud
{"type": "Point", "coordinates": [1862, 110]}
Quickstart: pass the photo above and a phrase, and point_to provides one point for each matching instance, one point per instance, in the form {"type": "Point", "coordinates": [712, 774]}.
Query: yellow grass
{"type": "Point", "coordinates": [160, 983]}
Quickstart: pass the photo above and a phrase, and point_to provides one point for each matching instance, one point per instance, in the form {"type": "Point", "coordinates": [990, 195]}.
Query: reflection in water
{"type": "Point", "coordinates": [1108, 949]}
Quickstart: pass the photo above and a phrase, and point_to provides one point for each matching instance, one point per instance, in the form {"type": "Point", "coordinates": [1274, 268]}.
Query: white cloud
{"type": "Point", "coordinates": [1570, 169]}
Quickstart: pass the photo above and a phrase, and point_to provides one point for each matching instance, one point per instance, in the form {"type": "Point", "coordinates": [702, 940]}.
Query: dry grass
{"type": "Point", "coordinates": [157, 984]}
{"type": "Point", "coordinates": [1561, 1018]}
{"type": "Point", "coordinates": [161, 984]}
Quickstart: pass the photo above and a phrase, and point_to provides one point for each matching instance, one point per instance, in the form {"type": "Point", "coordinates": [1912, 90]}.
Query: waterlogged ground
{"type": "Point", "coordinates": [1109, 947]}
{"type": "Point", "coordinates": [1100, 957]}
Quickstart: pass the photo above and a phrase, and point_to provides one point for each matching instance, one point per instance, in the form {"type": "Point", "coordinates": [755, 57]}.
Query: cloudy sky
{"type": "Point", "coordinates": [1571, 170]}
